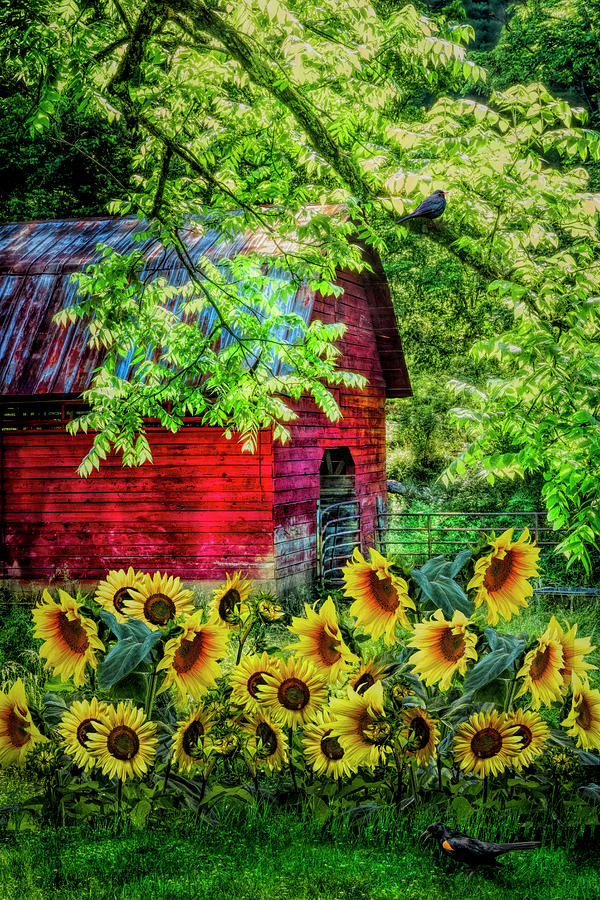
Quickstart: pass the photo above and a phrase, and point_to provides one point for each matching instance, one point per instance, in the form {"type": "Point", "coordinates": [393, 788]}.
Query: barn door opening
{"type": "Point", "coordinates": [339, 514]}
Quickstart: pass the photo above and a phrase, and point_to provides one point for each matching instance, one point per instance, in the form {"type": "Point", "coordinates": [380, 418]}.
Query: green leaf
{"type": "Point", "coordinates": [443, 591]}
{"type": "Point", "coordinates": [133, 647]}
{"type": "Point", "coordinates": [506, 648]}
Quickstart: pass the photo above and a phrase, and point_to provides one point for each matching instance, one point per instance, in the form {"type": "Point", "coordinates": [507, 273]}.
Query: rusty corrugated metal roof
{"type": "Point", "coordinates": [37, 357]}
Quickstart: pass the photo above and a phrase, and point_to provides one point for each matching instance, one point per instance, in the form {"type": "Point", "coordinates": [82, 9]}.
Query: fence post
{"type": "Point", "coordinates": [429, 548]}
{"type": "Point", "coordinates": [537, 528]}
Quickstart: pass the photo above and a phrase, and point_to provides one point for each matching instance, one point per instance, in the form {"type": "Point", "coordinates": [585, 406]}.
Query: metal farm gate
{"type": "Point", "coordinates": [338, 533]}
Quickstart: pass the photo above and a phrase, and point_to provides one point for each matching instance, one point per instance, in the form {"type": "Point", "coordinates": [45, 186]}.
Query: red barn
{"type": "Point", "coordinates": [203, 508]}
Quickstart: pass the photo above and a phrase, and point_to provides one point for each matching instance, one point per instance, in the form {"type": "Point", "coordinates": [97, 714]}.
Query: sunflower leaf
{"type": "Point", "coordinates": [127, 654]}
{"type": "Point", "coordinates": [459, 561]}
{"type": "Point", "coordinates": [443, 591]}
{"type": "Point", "coordinates": [493, 664]}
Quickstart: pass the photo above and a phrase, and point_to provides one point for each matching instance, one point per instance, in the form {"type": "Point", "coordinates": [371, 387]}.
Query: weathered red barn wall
{"type": "Point", "coordinates": [362, 429]}
{"type": "Point", "coordinates": [203, 509]}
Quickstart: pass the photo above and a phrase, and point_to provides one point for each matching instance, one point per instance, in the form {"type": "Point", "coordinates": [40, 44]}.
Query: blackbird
{"type": "Point", "coordinates": [469, 850]}
{"type": "Point", "coordinates": [431, 207]}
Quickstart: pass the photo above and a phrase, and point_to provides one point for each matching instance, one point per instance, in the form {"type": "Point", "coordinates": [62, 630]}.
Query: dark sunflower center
{"type": "Point", "coordinates": [84, 729]}
{"type": "Point", "coordinates": [452, 646]}
{"type": "Point", "coordinates": [268, 738]}
{"type": "Point", "coordinates": [73, 633]}
{"type": "Point", "coordinates": [17, 728]}
{"type": "Point", "coordinates": [121, 597]}
{"type": "Point", "coordinates": [330, 746]}
{"type": "Point", "coordinates": [123, 742]}
{"type": "Point", "coordinates": [525, 734]}
{"type": "Point", "coordinates": [328, 648]}
{"type": "Point", "coordinates": [419, 733]}
{"type": "Point", "coordinates": [192, 739]}
{"type": "Point", "coordinates": [293, 693]}
{"type": "Point", "coordinates": [584, 715]}
{"type": "Point", "coordinates": [254, 682]}
{"type": "Point", "coordinates": [498, 572]}
{"type": "Point", "coordinates": [539, 665]}
{"type": "Point", "coordinates": [486, 743]}
{"type": "Point", "coordinates": [188, 654]}
{"type": "Point", "coordinates": [159, 609]}
{"type": "Point", "coordinates": [383, 592]}
{"type": "Point", "coordinates": [363, 684]}
{"type": "Point", "coordinates": [363, 726]}
{"type": "Point", "coordinates": [227, 605]}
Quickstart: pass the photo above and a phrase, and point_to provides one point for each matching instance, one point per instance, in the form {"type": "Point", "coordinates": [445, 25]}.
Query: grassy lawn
{"type": "Point", "coordinates": [270, 858]}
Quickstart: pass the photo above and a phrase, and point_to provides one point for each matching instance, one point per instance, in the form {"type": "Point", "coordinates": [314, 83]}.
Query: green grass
{"type": "Point", "coordinates": [260, 856]}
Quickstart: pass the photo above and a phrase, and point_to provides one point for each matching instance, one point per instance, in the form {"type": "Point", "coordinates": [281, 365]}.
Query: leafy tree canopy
{"type": "Point", "coordinates": [247, 111]}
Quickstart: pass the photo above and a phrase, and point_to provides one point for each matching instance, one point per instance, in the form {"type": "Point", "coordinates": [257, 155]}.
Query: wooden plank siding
{"type": "Point", "coordinates": [203, 509]}
{"type": "Point", "coordinates": [296, 465]}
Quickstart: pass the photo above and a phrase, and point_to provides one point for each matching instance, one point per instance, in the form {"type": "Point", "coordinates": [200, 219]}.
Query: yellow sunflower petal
{"type": "Point", "coordinates": [70, 639]}
{"type": "Point", "coordinates": [191, 660]}
{"type": "Point", "coordinates": [583, 722]}
{"type": "Point", "coordinates": [76, 726]}
{"type": "Point", "coordinates": [123, 744]}
{"type": "Point", "coordinates": [320, 641]}
{"type": "Point", "coordinates": [486, 744]}
{"type": "Point", "coordinates": [322, 749]}
{"type": "Point", "coordinates": [443, 648]}
{"type": "Point", "coordinates": [500, 578]}
{"type": "Point", "coordinates": [295, 693]}
{"type": "Point", "coordinates": [158, 600]}
{"type": "Point", "coordinates": [18, 734]}
{"type": "Point", "coordinates": [380, 597]}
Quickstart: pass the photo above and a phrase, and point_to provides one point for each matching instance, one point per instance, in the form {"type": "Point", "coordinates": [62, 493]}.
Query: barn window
{"type": "Point", "coordinates": [337, 476]}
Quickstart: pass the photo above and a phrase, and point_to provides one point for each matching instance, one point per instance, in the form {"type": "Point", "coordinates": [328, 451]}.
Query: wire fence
{"type": "Point", "coordinates": [417, 536]}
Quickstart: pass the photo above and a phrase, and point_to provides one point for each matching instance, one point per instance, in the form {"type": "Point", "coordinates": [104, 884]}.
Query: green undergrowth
{"type": "Point", "coordinates": [262, 855]}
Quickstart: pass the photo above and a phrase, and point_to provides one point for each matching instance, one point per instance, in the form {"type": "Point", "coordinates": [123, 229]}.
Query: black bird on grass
{"type": "Point", "coordinates": [469, 850]}
{"type": "Point", "coordinates": [430, 208]}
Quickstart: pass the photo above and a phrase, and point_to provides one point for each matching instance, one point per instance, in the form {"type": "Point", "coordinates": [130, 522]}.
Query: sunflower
{"type": "Point", "coordinates": [229, 601]}
{"type": "Point", "coordinates": [158, 600]}
{"type": "Point", "coordinates": [501, 577]}
{"type": "Point", "coordinates": [113, 593]}
{"type": "Point", "coordinates": [583, 722]}
{"type": "Point", "coordinates": [380, 597]}
{"type": "Point", "coordinates": [443, 648]}
{"type": "Point", "coordinates": [69, 639]}
{"type": "Point", "coordinates": [574, 651]}
{"type": "Point", "coordinates": [323, 751]}
{"type": "Point", "coordinates": [123, 744]}
{"type": "Point", "coordinates": [295, 693]}
{"type": "Point", "coordinates": [321, 641]}
{"type": "Point", "coordinates": [18, 734]}
{"type": "Point", "coordinates": [188, 740]}
{"type": "Point", "coordinates": [423, 735]}
{"type": "Point", "coordinates": [269, 741]}
{"type": "Point", "coordinates": [366, 675]}
{"type": "Point", "coordinates": [76, 726]}
{"type": "Point", "coordinates": [191, 659]}
{"type": "Point", "coordinates": [248, 676]}
{"type": "Point", "coordinates": [542, 671]}
{"type": "Point", "coordinates": [360, 726]}
{"type": "Point", "coordinates": [533, 732]}
{"type": "Point", "coordinates": [486, 744]}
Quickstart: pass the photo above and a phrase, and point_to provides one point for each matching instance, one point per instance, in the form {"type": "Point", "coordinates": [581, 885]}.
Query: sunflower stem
{"type": "Point", "coordinates": [413, 782]}
{"type": "Point", "coordinates": [399, 767]}
{"type": "Point", "coordinates": [485, 789]}
{"type": "Point", "coordinates": [439, 771]}
{"type": "Point", "coordinates": [292, 769]}
{"type": "Point", "coordinates": [151, 693]}
{"type": "Point", "coordinates": [166, 778]}
{"type": "Point", "coordinates": [119, 798]}
{"type": "Point", "coordinates": [243, 638]}
{"type": "Point", "coordinates": [511, 691]}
